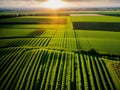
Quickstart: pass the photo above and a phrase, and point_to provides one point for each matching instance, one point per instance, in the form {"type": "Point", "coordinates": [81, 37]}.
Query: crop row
{"type": "Point", "coordinates": [70, 44]}
{"type": "Point", "coordinates": [41, 69]}
{"type": "Point", "coordinates": [42, 42]}
{"type": "Point", "coordinates": [63, 44]}
{"type": "Point", "coordinates": [52, 43]}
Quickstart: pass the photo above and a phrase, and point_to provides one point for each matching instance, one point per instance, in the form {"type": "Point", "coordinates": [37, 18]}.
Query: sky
{"type": "Point", "coordinates": [69, 3]}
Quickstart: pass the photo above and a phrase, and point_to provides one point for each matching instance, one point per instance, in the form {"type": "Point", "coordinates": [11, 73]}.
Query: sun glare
{"type": "Point", "coordinates": [54, 4]}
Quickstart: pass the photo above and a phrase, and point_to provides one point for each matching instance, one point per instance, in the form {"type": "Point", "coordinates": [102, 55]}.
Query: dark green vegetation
{"type": "Point", "coordinates": [53, 56]}
{"type": "Point", "coordinates": [104, 26]}
{"type": "Point", "coordinates": [33, 20]}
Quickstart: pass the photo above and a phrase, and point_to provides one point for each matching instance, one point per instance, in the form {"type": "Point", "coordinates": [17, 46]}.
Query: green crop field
{"type": "Point", "coordinates": [75, 52]}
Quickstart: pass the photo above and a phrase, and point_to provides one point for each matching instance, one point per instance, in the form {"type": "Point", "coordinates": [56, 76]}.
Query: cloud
{"type": "Point", "coordinates": [92, 0]}
{"type": "Point", "coordinates": [95, 3]}
{"type": "Point", "coordinates": [71, 3]}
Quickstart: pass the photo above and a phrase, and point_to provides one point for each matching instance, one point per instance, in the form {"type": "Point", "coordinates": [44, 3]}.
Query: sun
{"type": "Point", "coordinates": [54, 4]}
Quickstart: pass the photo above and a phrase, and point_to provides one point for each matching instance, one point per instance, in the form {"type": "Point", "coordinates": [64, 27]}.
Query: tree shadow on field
{"type": "Point", "coordinates": [36, 33]}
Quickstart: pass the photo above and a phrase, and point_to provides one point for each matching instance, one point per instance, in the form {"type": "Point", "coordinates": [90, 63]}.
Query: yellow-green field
{"type": "Point", "coordinates": [49, 53]}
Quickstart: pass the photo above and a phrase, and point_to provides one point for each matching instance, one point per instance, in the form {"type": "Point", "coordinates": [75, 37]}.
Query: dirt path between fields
{"type": "Point", "coordinates": [86, 15]}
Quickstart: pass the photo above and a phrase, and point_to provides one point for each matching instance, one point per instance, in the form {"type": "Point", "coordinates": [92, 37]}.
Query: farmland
{"type": "Point", "coordinates": [60, 52]}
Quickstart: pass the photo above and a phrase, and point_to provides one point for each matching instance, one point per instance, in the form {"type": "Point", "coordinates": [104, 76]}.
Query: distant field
{"type": "Point", "coordinates": [60, 52]}
{"type": "Point", "coordinates": [95, 19]}
{"type": "Point", "coordinates": [61, 12]}
{"type": "Point", "coordinates": [32, 26]}
{"type": "Point", "coordinates": [86, 14]}
{"type": "Point", "coordinates": [102, 26]}
{"type": "Point", "coordinates": [99, 34]}
{"type": "Point", "coordinates": [33, 20]}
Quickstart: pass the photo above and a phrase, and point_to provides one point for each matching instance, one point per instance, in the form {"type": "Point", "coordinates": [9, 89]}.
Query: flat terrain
{"type": "Point", "coordinates": [60, 52]}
